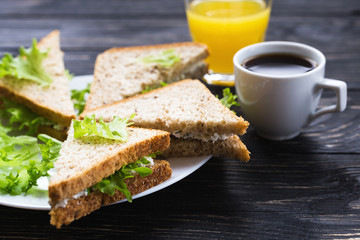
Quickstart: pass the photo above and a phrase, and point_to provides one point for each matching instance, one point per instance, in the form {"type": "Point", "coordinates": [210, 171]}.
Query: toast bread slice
{"type": "Point", "coordinates": [84, 205]}
{"type": "Point", "coordinates": [186, 109]}
{"type": "Point", "coordinates": [86, 161]}
{"type": "Point", "coordinates": [231, 147]}
{"type": "Point", "coordinates": [119, 72]}
{"type": "Point", "coordinates": [53, 102]}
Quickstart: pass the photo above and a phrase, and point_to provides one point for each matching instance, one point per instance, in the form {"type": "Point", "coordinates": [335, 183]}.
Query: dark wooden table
{"type": "Point", "coordinates": [306, 188]}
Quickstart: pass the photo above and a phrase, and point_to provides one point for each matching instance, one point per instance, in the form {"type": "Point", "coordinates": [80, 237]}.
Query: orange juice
{"type": "Point", "coordinates": [225, 26]}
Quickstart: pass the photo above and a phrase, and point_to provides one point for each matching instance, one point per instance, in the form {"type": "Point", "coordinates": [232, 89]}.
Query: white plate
{"type": "Point", "coordinates": [38, 199]}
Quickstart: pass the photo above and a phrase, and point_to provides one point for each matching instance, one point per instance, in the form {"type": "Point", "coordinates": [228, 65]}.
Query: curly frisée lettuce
{"type": "Point", "coordinates": [20, 117]}
{"type": "Point", "coordinates": [228, 99]}
{"type": "Point", "coordinates": [68, 75]}
{"type": "Point", "coordinates": [115, 130]}
{"type": "Point", "coordinates": [148, 89]}
{"type": "Point", "coordinates": [116, 181]}
{"type": "Point", "coordinates": [78, 98]}
{"type": "Point", "coordinates": [166, 58]}
{"type": "Point", "coordinates": [50, 151]}
{"type": "Point", "coordinates": [28, 65]}
{"type": "Point", "coordinates": [20, 162]}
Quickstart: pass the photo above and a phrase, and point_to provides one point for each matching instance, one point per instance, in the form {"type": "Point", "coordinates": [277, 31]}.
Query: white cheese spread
{"type": "Point", "coordinates": [63, 202]}
{"type": "Point", "coordinates": [200, 136]}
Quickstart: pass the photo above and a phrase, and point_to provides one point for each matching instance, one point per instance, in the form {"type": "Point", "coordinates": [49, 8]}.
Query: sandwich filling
{"type": "Point", "coordinates": [193, 71]}
{"type": "Point", "coordinates": [110, 184]}
{"type": "Point", "coordinates": [201, 136]}
{"type": "Point", "coordinates": [63, 203]}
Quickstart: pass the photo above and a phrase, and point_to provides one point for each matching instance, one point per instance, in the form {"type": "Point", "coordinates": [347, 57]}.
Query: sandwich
{"type": "Point", "coordinates": [124, 72]}
{"type": "Point", "coordinates": [34, 88]}
{"type": "Point", "coordinates": [198, 122]}
{"type": "Point", "coordinates": [102, 163]}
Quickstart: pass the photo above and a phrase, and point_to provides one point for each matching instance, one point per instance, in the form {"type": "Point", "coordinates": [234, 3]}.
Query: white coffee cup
{"type": "Point", "coordinates": [279, 106]}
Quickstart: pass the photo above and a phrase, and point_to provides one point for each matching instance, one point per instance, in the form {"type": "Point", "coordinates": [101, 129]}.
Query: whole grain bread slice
{"type": "Point", "coordinates": [231, 147]}
{"type": "Point", "coordinates": [84, 205]}
{"type": "Point", "coordinates": [51, 102]}
{"type": "Point", "coordinates": [119, 72]}
{"type": "Point", "coordinates": [186, 109]}
{"type": "Point", "coordinates": [85, 161]}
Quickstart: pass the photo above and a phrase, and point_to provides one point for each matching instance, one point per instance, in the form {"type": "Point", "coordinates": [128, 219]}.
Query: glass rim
{"type": "Point", "coordinates": [188, 2]}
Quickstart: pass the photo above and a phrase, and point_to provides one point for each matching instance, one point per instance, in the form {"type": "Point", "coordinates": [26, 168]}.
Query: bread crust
{"type": "Point", "coordinates": [52, 115]}
{"type": "Point", "coordinates": [161, 46]}
{"type": "Point", "coordinates": [70, 186]}
{"type": "Point", "coordinates": [77, 208]}
{"type": "Point", "coordinates": [232, 147]}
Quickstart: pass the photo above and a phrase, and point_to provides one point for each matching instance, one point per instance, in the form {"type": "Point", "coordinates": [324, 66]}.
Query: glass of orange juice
{"type": "Point", "coordinates": [225, 26]}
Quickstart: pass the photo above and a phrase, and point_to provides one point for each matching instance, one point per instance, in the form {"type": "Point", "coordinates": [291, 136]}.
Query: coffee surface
{"type": "Point", "coordinates": [279, 64]}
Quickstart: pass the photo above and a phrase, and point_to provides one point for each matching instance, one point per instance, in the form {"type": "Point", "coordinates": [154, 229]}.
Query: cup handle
{"type": "Point", "coordinates": [340, 89]}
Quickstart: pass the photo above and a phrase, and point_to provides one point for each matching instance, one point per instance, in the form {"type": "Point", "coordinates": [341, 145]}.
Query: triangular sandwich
{"type": "Point", "coordinates": [89, 167]}
{"type": "Point", "coordinates": [124, 72]}
{"type": "Point", "coordinates": [198, 122]}
{"type": "Point", "coordinates": [51, 101]}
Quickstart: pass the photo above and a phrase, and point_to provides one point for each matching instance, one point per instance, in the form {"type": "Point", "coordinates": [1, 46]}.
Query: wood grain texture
{"type": "Point", "coordinates": [139, 8]}
{"type": "Point", "coordinates": [275, 196]}
{"type": "Point", "coordinates": [89, 29]}
{"type": "Point", "coordinates": [305, 188]}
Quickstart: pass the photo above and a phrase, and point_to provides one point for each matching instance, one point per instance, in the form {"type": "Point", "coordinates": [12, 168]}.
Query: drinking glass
{"type": "Point", "coordinates": [226, 26]}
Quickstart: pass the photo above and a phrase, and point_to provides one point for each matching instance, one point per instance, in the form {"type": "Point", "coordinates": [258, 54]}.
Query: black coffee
{"type": "Point", "coordinates": [279, 64]}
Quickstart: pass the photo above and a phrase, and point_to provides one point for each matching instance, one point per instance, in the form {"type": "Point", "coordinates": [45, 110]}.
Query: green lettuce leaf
{"type": "Point", "coordinates": [165, 59]}
{"type": "Point", "coordinates": [116, 181]}
{"type": "Point", "coordinates": [4, 129]}
{"type": "Point", "coordinates": [20, 162]}
{"type": "Point", "coordinates": [116, 129]}
{"type": "Point", "coordinates": [78, 98]}
{"type": "Point", "coordinates": [228, 99]}
{"type": "Point", "coordinates": [28, 65]}
{"type": "Point", "coordinates": [21, 117]}
{"type": "Point", "coordinates": [148, 89]}
{"type": "Point", "coordinates": [68, 75]}
{"type": "Point", "coordinates": [50, 151]}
